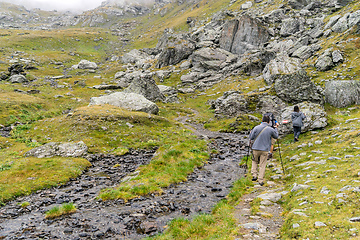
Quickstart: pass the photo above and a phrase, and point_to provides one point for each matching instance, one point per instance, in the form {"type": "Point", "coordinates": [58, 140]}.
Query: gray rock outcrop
{"type": "Point", "coordinates": [328, 60]}
{"type": "Point", "coordinates": [212, 58]}
{"type": "Point", "coordinates": [134, 56]}
{"type": "Point", "coordinates": [345, 22]}
{"type": "Point", "coordinates": [52, 149]}
{"type": "Point", "coordinates": [146, 86]}
{"type": "Point", "coordinates": [129, 101]}
{"type": "Point", "coordinates": [315, 117]}
{"type": "Point", "coordinates": [282, 64]}
{"type": "Point", "coordinates": [342, 93]}
{"type": "Point", "coordinates": [297, 87]}
{"type": "Point", "coordinates": [230, 104]}
{"type": "Point", "coordinates": [85, 64]}
{"type": "Point", "coordinates": [174, 48]}
{"type": "Point", "coordinates": [241, 35]}
{"type": "Point", "coordinates": [290, 26]}
{"type": "Point", "coordinates": [18, 78]}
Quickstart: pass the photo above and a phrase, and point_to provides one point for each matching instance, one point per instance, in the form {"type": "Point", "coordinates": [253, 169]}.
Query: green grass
{"type": "Point", "coordinates": [64, 209]}
{"type": "Point", "coordinates": [339, 140]}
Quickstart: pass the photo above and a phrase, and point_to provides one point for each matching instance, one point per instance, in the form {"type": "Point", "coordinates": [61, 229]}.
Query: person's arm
{"type": "Point", "coordinates": [303, 116]}
{"type": "Point", "coordinates": [252, 134]}
{"type": "Point", "coordinates": [275, 132]}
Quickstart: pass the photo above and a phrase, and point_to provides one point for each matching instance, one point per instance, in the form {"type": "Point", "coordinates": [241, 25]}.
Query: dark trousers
{"type": "Point", "coordinates": [297, 131]}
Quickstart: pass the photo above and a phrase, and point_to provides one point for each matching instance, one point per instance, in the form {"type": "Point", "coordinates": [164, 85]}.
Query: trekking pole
{"type": "Point", "coordinates": [282, 165]}
{"type": "Point", "coordinates": [245, 166]}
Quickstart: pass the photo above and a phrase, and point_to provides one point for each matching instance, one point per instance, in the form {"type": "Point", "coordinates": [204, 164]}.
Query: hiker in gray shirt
{"type": "Point", "coordinates": [261, 136]}
{"type": "Point", "coordinates": [297, 118]}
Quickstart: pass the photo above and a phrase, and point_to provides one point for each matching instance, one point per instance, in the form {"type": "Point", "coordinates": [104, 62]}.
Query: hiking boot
{"type": "Point", "coordinates": [296, 139]}
{"type": "Point", "coordinates": [254, 179]}
{"type": "Point", "coordinates": [270, 155]}
{"type": "Point", "coordinates": [261, 183]}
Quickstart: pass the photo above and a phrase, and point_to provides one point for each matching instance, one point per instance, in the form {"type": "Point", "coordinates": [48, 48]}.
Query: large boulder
{"type": "Point", "coordinates": [315, 117]}
{"type": "Point", "coordinates": [273, 104]}
{"type": "Point", "coordinates": [297, 87]}
{"type": "Point", "coordinates": [134, 56]}
{"type": "Point", "coordinates": [174, 48]}
{"type": "Point", "coordinates": [129, 101]}
{"type": "Point", "coordinates": [282, 64]}
{"type": "Point", "coordinates": [290, 26]}
{"type": "Point", "coordinates": [347, 21]}
{"type": "Point", "coordinates": [85, 64]}
{"type": "Point", "coordinates": [124, 79]}
{"type": "Point", "coordinates": [212, 58]}
{"type": "Point", "coordinates": [146, 86]}
{"type": "Point", "coordinates": [328, 60]}
{"type": "Point", "coordinates": [230, 104]}
{"type": "Point", "coordinates": [19, 78]}
{"type": "Point", "coordinates": [52, 149]}
{"type": "Point", "coordinates": [342, 93]}
{"type": "Point", "coordinates": [306, 52]}
{"type": "Point", "coordinates": [241, 35]}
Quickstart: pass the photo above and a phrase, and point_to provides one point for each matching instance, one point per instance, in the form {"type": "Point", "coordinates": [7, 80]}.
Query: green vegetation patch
{"type": "Point", "coordinates": [22, 176]}
{"type": "Point", "coordinates": [64, 209]}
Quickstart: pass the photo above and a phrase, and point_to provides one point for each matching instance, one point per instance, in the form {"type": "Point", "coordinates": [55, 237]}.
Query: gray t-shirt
{"type": "Point", "coordinates": [297, 119]}
{"type": "Point", "coordinates": [263, 142]}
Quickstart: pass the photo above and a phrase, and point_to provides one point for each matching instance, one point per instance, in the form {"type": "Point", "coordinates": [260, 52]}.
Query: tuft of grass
{"type": "Point", "coordinates": [64, 209]}
{"type": "Point", "coordinates": [24, 204]}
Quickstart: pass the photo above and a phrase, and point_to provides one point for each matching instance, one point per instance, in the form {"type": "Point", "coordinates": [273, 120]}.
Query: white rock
{"type": "Point", "coordinates": [320, 224]}
{"type": "Point", "coordinates": [274, 197]}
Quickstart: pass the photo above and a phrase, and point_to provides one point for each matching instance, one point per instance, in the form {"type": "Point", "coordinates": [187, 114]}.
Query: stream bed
{"type": "Point", "coordinates": [116, 219]}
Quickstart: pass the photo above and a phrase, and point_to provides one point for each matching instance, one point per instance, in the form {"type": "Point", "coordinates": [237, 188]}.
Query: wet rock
{"type": "Point", "coordinates": [147, 227]}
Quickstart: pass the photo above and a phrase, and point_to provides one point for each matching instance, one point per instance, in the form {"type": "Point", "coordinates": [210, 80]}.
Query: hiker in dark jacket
{"type": "Point", "coordinates": [297, 118]}
{"type": "Point", "coordinates": [261, 136]}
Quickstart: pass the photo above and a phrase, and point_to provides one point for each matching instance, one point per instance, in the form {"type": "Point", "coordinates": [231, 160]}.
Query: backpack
{"type": "Point", "coordinates": [272, 119]}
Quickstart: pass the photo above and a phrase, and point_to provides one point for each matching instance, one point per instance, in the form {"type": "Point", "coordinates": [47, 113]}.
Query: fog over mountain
{"type": "Point", "coordinates": [64, 5]}
{"type": "Point", "coordinates": [72, 5]}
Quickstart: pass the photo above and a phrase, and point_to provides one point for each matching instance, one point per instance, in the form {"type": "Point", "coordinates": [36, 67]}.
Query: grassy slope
{"type": "Point", "coordinates": [105, 129]}
{"type": "Point", "coordinates": [342, 142]}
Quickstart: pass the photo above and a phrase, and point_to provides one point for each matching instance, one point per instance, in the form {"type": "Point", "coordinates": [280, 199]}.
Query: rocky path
{"type": "Point", "coordinates": [266, 221]}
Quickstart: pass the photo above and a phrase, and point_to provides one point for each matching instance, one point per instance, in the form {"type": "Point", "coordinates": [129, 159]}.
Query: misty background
{"type": "Point", "coordinates": [72, 5]}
